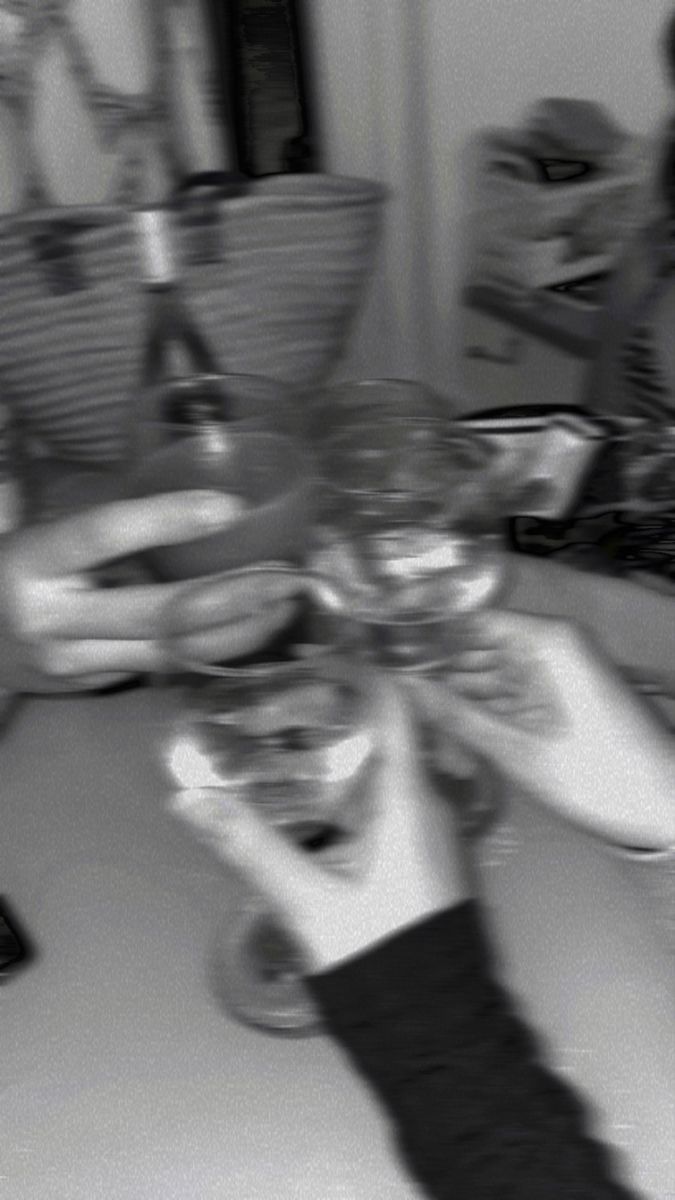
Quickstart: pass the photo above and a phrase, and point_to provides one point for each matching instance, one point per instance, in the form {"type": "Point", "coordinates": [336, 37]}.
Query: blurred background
{"type": "Point", "coordinates": [400, 89]}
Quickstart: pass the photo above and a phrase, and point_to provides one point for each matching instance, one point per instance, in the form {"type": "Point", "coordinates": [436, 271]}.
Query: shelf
{"type": "Point", "coordinates": [545, 315]}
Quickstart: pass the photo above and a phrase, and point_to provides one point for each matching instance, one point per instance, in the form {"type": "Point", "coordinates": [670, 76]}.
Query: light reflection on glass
{"type": "Point", "coordinates": [292, 732]}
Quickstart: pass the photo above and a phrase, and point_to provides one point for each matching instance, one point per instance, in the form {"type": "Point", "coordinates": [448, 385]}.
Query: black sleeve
{"type": "Point", "coordinates": [476, 1114]}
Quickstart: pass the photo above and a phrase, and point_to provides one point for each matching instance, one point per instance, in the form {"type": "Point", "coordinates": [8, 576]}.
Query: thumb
{"type": "Point", "coordinates": [245, 841]}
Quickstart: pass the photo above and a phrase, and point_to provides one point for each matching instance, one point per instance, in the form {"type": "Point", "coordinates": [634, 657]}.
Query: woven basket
{"type": "Point", "coordinates": [277, 298]}
{"type": "Point", "coordinates": [297, 251]}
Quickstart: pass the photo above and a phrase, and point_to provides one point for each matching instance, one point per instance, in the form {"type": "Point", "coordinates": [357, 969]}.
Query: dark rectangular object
{"type": "Point", "coordinates": [262, 64]}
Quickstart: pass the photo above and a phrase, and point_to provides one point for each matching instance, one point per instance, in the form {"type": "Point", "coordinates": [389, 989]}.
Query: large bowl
{"type": "Point", "coordinates": [270, 472]}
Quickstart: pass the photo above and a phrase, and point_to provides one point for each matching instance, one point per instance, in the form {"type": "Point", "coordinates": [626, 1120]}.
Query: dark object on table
{"type": "Point", "coordinates": [623, 523]}
{"type": "Point", "coordinates": [16, 948]}
{"type": "Point", "coordinates": [621, 517]}
{"type": "Point", "coordinates": [542, 455]}
{"type": "Point", "coordinates": [255, 970]}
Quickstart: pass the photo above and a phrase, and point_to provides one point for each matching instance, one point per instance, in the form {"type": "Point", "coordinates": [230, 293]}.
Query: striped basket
{"type": "Point", "coordinates": [294, 256]}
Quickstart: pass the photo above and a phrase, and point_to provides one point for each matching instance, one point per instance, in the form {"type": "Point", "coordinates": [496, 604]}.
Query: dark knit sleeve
{"type": "Point", "coordinates": [477, 1115]}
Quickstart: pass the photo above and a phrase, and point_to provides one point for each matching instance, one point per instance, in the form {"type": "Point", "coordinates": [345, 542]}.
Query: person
{"type": "Point", "coordinates": [408, 928]}
{"type": "Point", "coordinates": [61, 630]}
{"type": "Point", "coordinates": [401, 962]}
{"type": "Point", "coordinates": [605, 761]}
{"type": "Point", "coordinates": [566, 727]}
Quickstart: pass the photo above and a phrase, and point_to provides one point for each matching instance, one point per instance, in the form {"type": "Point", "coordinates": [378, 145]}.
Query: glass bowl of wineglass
{"type": "Point", "coordinates": [416, 536]}
{"type": "Point", "coordinates": [291, 731]}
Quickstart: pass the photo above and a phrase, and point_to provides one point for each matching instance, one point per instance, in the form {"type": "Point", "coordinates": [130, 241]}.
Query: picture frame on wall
{"type": "Point", "coordinates": [263, 84]}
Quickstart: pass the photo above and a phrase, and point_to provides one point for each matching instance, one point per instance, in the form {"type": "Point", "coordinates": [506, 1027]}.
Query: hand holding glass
{"type": "Point", "coordinates": [290, 731]}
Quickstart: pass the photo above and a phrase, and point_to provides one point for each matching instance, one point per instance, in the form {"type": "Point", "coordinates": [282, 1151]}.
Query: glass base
{"type": "Point", "coordinates": [256, 966]}
{"type": "Point", "coordinates": [256, 971]}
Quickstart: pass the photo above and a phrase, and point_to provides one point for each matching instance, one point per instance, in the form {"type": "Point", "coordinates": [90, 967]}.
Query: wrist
{"type": "Point", "coordinates": [448, 944]}
{"type": "Point", "coordinates": [333, 956]}
{"type": "Point", "coordinates": [383, 915]}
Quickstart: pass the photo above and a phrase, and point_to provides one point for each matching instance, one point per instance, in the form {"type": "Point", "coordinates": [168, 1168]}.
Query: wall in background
{"type": "Point", "coordinates": [115, 37]}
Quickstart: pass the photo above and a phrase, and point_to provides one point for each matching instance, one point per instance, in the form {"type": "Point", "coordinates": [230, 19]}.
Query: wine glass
{"type": "Point", "coordinates": [291, 731]}
{"type": "Point", "coordinates": [414, 532]}
{"type": "Point", "coordinates": [341, 406]}
{"type": "Point", "coordinates": [268, 473]}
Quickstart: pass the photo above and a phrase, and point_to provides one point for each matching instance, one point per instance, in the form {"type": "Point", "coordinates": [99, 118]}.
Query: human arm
{"type": "Point", "coordinates": [603, 759]}
{"type": "Point", "coordinates": [59, 631]}
{"type": "Point", "coordinates": [405, 979]}
{"type": "Point", "coordinates": [476, 1112]}
{"type": "Point", "coordinates": [540, 699]}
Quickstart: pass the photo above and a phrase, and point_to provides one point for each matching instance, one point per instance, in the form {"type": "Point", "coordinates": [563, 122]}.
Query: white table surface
{"type": "Point", "coordinates": [121, 1077]}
